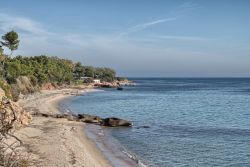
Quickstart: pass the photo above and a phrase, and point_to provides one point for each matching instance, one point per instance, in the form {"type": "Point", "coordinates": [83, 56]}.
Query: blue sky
{"type": "Point", "coordinates": [160, 38]}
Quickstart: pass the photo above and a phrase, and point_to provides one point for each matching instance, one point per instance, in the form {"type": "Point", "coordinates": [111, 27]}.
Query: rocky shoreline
{"type": "Point", "coordinates": [108, 122]}
{"type": "Point", "coordinates": [38, 124]}
{"type": "Point", "coordinates": [114, 84]}
{"type": "Point", "coordinates": [56, 139]}
{"type": "Point", "coordinates": [56, 142]}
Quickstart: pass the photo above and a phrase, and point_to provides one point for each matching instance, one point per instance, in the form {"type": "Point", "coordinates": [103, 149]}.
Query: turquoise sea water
{"type": "Point", "coordinates": [193, 122]}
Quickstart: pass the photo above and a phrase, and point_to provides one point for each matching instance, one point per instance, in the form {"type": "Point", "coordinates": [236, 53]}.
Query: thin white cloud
{"type": "Point", "coordinates": [173, 15]}
{"type": "Point", "coordinates": [23, 24]}
{"type": "Point", "coordinates": [143, 26]}
{"type": "Point", "coordinates": [38, 37]}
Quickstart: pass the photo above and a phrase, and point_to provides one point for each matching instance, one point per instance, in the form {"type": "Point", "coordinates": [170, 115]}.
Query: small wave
{"type": "Point", "coordinates": [134, 157]}
{"type": "Point", "coordinates": [101, 133]}
{"type": "Point", "coordinates": [244, 91]}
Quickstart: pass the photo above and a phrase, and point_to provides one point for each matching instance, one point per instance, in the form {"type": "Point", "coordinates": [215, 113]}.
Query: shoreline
{"type": "Point", "coordinates": [57, 142]}
{"type": "Point", "coordinates": [110, 147]}
{"type": "Point", "coordinates": [114, 151]}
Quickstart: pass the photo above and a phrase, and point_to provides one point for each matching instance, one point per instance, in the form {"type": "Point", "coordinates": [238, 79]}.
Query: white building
{"type": "Point", "coordinates": [97, 81]}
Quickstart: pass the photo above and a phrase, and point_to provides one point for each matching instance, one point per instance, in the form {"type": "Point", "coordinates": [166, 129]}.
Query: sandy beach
{"type": "Point", "coordinates": [53, 142]}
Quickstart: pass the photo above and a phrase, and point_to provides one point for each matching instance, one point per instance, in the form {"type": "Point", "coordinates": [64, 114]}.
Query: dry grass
{"type": "Point", "coordinates": [12, 154]}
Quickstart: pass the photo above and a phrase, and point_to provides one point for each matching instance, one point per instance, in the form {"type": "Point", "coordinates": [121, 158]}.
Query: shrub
{"type": "Point", "coordinates": [6, 87]}
{"type": "Point", "coordinates": [33, 80]}
{"type": "Point", "coordinates": [15, 92]}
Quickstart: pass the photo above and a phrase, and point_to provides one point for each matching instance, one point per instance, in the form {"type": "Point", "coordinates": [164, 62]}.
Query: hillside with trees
{"type": "Point", "coordinates": [22, 74]}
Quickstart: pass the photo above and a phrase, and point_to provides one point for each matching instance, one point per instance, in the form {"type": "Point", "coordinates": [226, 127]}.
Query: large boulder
{"type": "Point", "coordinates": [89, 118]}
{"type": "Point", "coordinates": [114, 122]}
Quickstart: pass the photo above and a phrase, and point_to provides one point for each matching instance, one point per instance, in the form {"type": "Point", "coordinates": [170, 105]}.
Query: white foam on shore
{"type": "Point", "coordinates": [84, 91]}
{"type": "Point", "coordinates": [112, 148]}
{"type": "Point", "coordinates": [133, 157]}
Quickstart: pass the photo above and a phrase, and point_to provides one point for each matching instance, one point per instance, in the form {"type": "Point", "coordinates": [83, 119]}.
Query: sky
{"type": "Point", "coordinates": [138, 38]}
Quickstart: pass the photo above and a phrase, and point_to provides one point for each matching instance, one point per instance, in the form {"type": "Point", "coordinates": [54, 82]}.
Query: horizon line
{"type": "Point", "coordinates": [188, 77]}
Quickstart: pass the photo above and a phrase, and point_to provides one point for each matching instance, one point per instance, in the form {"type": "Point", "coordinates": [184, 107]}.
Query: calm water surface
{"type": "Point", "coordinates": [193, 122]}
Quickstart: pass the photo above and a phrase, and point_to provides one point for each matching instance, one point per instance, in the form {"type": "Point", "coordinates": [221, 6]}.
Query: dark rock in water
{"type": "Point", "coordinates": [114, 122]}
{"type": "Point", "coordinates": [145, 126]}
{"type": "Point", "coordinates": [120, 88]}
{"type": "Point", "coordinates": [89, 118]}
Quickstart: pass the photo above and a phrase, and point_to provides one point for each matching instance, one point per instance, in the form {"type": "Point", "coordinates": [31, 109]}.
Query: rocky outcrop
{"type": "Point", "coordinates": [114, 84]}
{"type": "Point", "coordinates": [114, 122]}
{"type": "Point", "coordinates": [106, 85]}
{"type": "Point", "coordinates": [89, 118]}
{"type": "Point", "coordinates": [109, 122]}
{"type": "Point", "coordinates": [12, 116]}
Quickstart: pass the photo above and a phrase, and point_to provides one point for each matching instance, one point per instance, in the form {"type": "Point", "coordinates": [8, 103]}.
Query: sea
{"type": "Point", "coordinates": [177, 122]}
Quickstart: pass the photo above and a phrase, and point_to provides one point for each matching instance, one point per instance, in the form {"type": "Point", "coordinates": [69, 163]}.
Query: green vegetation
{"type": "Point", "coordinates": [40, 69]}
{"type": "Point", "coordinates": [44, 69]}
{"type": "Point", "coordinates": [10, 40]}
{"type": "Point", "coordinates": [27, 74]}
